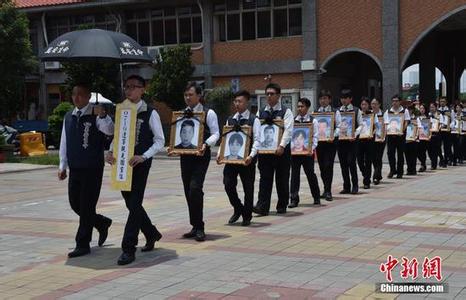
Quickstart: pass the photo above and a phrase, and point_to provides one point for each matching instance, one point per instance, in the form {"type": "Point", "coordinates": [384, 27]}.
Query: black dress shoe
{"type": "Point", "coordinates": [293, 204]}
{"type": "Point", "coordinates": [411, 173]}
{"type": "Point", "coordinates": [433, 168]}
{"type": "Point", "coordinates": [317, 201]}
{"type": "Point", "coordinates": [200, 235]}
{"type": "Point", "coordinates": [150, 243]}
{"type": "Point", "coordinates": [246, 222]}
{"type": "Point", "coordinates": [354, 191]}
{"type": "Point", "coordinates": [376, 181]}
{"type": "Point", "coordinates": [256, 210]}
{"type": "Point", "coordinates": [281, 211]}
{"type": "Point", "coordinates": [329, 197]}
{"type": "Point", "coordinates": [324, 195]}
{"type": "Point", "coordinates": [79, 252]}
{"type": "Point", "coordinates": [367, 186]}
{"type": "Point", "coordinates": [344, 192]}
{"type": "Point", "coordinates": [189, 235]}
{"type": "Point", "coordinates": [103, 233]}
{"type": "Point", "coordinates": [234, 218]}
{"type": "Point", "coordinates": [422, 169]}
{"type": "Point", "coordinates": [126, 258]}
{"type": "Point", "coordinates": [399, 176]}
{"type": "Point", "coordinates": [390, 175]}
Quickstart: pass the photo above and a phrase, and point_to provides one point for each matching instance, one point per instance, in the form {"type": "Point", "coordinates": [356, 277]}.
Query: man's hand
{"type": "Point", "coordinates": [100, 111]}
{"type": "Point", "coordinates": [248, 161]}
{"type": "Point", "coordinates": [135, 160]}
{"type": "Point", "coordinates": [109, 158]}
{"type": "Point", "coordinates": [61, 174]}
{"type": "Point", "coordinates": [279, 151]}
{"type": "Point", "coordinates": [202, 151]}
{"type": "Point", "coordinates": [218, 160]}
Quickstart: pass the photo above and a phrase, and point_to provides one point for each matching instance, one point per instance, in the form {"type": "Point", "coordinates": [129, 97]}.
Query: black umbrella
{"type": "Point", "coordinates": [95, 45]}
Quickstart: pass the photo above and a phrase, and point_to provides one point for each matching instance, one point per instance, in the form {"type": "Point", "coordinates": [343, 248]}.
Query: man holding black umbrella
{"type": "Point", "coordinates": [82, 149]}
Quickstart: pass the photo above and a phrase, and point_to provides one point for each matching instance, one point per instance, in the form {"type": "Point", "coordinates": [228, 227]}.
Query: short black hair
{"type": "Point", "coordinates": [322, 120]}
{"type": "Point", "coordinates": [84, 85]}
{"type": "Point", "coordinates": [274, 86]}
{"type": "Point", "coordinates": [325, 93]}
{"type": "Point", "coordinates": [365, 99]}
{"type": "Point", "coordinates": [236, 137]}
{"type": "Point", "coordinates": [141, 80]}
{"type": "Point", "coordinates": [242, 93]}
{"type": "Point", "coordinates": [193, 84]}
{"type": "Point", "coordinates": [376, 99]}
{"type": "Point", "coordinates": [305, 101]}
{"type": "Point", "coordinates": [269, 127]}
{"type": "Point", "coordinates": [346, 93]}
{"type": "Point", "coordinates": [298, 133]}
{"type": "Point", "coordinates": [187, 123]}
{"type": "Point", "coordinates": [396, 96]}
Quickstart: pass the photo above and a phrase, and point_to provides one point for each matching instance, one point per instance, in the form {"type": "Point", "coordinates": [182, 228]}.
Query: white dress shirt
{"type": "Point", "coordinates": [155, 126]}
{"type": "Point", "coordinates": [105, 125]}
{"type": "Point", "coordinates": [288, 121]}
{"type": "Point", "coordinates": [328, 108]}
{"type": "Point", "coordinates": [212, 122]}
{"type": "Point", "coordinates": [256, 130]}
{"type": "Point", "coordinates": [315, 130]}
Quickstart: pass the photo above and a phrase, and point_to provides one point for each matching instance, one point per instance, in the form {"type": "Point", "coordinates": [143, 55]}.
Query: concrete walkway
{"type": "Point", "coordinates": [327, 252]}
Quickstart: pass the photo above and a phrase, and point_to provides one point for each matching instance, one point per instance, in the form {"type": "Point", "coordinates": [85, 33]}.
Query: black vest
{"type": "Point", "coordinates": [311, 119]}
{"type": "Point", "coordinates": [250, 122]}
{"type": "Point", "coordinates": [144, 135]}
{"type": "Point", "coordinates": [264, 114]}
{"type": "Point", "coordinates": [206, 126]}
{"type": "Point", "coordinates": [85, 144]}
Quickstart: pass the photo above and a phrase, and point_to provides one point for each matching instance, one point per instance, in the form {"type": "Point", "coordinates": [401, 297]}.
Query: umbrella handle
{"type": "Point", "coordinates": [96, 98]}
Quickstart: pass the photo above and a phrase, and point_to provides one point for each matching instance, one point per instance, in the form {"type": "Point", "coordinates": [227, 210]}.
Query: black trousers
{"type": "Point", "coordinates": [270, 165]}
{"type": "Point", "coordinates": [83, 192]}
{"type": "Point", "coordinates": [247, 175]}
{"type": "Point", "coordinates": [463, 147]}
{"type": "Point", "coordinates": [434, 150]}
{"type": "Point", "coordinates": [326, 158]}
{"type": "Point", "coordinates": [411, 149]}
{"type": "Point", "coordinates": [396, 144]}
{"type": "Point", "coordinates": [365, 157]}
{"type": "Point", "coordinates": [307, 162]}
{"type": "Point", "coordinates": [446, 143]}
{"type": "Point", "coordinates": [421, 152]}
{"type": "Point", "coordinates": [193, 172]}
{"type": "Point", "coordinates": [137, 217]}
{"type": "Point", "coordinates": [347, 152]}
{"type": "Point", "coordinates": [377, 161]}
{"type": "Point", "coordinates": [456, 143]}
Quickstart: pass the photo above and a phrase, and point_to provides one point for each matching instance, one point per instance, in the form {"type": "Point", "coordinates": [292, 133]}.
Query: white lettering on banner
{"type": "Point", "coordinates": [123, 149]}
{"type": "Point", "coordinates": [61, 47]}
{"type": "Point", "coordinates": [128, 49]}
{"type": "Point", "coordinates": [87, 125]}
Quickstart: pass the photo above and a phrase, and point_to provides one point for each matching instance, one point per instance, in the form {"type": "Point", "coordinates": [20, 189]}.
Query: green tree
{"type": "Point", "coordinates": [16, 57]}
{"type": "Point", "coordinates": [56, 120]}
{"type": "Point", "coordinates": [220, 100]}
{"type": "Point", "coordinates": [173, 70]}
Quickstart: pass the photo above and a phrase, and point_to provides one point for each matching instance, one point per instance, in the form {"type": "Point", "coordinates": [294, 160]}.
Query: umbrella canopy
{"type": "Point", "coordinates": [99, 99]}
{"type": "Point", "coordinates": [95, 45]}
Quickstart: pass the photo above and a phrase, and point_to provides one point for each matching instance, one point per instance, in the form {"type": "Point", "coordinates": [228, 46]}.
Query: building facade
{"type": "Point", "coordinates": [304, 45]}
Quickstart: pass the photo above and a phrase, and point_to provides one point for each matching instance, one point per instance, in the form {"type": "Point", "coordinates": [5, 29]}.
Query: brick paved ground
{"type": "Point", "coordinates": [333, 251]}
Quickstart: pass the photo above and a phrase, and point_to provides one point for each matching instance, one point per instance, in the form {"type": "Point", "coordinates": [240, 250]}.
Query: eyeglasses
{"type": "Point", "coordinates": [271, 94]}
{"type": "Point", "coordinates": [132, 87]}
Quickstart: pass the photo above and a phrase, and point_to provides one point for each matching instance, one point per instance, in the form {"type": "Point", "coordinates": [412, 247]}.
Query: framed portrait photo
{"type": "Point", "coordinates": [234, 145]}
{"type": "Point", "coordinates": [271, 134]}
{"type": "Point", "coordinates": [380, 131]}
{"type": "Point", "coordinates": [301, 139]}
{"type": "Point", "coordinates": [186, 133]}
{"type": "Point", "coordinates": [326, 126]}
{"type": "Point", "coordinates": [411, 132]}
{"type": "Point", "coordinates": [424, 131]}
{"type": "Point", "coordinates": [367, 127]}
{"type": "Point", "coordinates": [347, 125]}
{"type": "Point", "coordinates": [446, 127]}
{"type": "Point", "coordinates": [435, 125]}
{"type": "Point", "coordinates": [395, 124]}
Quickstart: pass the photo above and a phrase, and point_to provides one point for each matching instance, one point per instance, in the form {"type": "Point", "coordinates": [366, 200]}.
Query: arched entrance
{"type": "Point", "coordinates": [356, 69]}
{"type": "Point", "coordinates": [442, 45]}
{"type": "Point", "coordinates": [410, 83]}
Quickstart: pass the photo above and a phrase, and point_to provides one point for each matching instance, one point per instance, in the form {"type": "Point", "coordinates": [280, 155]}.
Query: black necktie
{"type": "Point", "coordinates": [302, 119]}
{"type": "Point", "coordinates": [78, 115]}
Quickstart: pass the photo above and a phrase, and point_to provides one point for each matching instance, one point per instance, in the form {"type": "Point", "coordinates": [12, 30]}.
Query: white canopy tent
{"type": "Point", "coordinates": [101, 99]}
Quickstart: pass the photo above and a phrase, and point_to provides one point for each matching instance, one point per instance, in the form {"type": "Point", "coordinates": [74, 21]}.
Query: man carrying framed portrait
{"type": "Point", "coordinates": [455, 128]}
{"type": "Point", "coordinates": [411, 146]}
{"type": "Point", "coordinates": [277, 164]}
{"type": "Point", "coordinates": [351, 117]}
{"type": "Point", "coordinates": [379, 141]}
{"type": "Point", "coordinates": [302, 153]}
{"type": "Point", "coordinates": [242, 135]}
{"type": "Point", "coordinates": [366, 144]}
{"type": "Point", "coordinates": [445, 134]}
{"type": "Point", "coordinates": [328, 120]}
{"type": "Point", "coordinates": [395, 118]}
{"type": "Point", "coordinates": [434, 148]}
{"type": "Point", "coordinates": [424, 135]}
{"type": "Point", "coordinates": [195, 162]}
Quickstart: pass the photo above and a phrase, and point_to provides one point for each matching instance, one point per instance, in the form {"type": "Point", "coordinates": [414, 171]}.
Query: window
{"type": "Point", "coordinates": [167, 26]}
{"type": "Point", "coordinates": [255, 19]}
